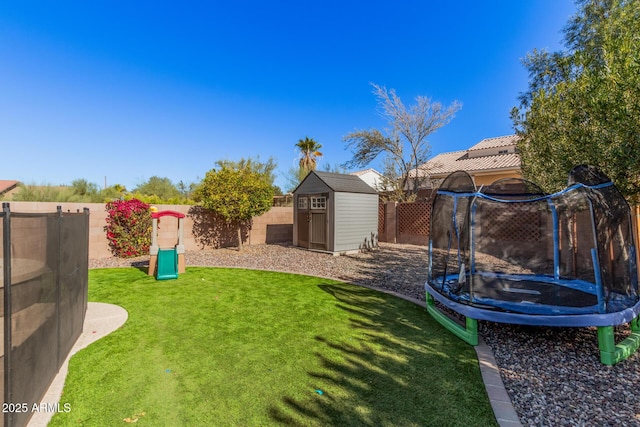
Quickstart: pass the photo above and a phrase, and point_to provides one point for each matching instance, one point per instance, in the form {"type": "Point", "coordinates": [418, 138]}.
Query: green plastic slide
{"type": "Point", "coordinates": [167, 264]}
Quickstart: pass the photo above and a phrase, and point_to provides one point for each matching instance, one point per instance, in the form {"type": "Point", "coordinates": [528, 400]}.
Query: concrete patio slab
{"type": "Point", "coordinates": [100, 320]}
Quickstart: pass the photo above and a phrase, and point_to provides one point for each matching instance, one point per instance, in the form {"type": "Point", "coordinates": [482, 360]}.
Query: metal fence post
{"type": "Point", "coordinates": [58, 283]}
{"type": "Point", "coordinates": [85, 272]}
{"type": "Point", "coordinates": [6, 247]}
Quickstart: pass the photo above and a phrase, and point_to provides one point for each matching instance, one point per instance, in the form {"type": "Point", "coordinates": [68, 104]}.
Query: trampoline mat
{"type": "Point", "coordinates": [529, 291]}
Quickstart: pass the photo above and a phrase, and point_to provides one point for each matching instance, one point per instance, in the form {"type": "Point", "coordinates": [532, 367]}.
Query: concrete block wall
{"type": "Point", "coordinates": [275, 226]}
{"type": "Point", "coordinates": [272, 227]}
{"type": "Point", "coordinates": [98, 246]}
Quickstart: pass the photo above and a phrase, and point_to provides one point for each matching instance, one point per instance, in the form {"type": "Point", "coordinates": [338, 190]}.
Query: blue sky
{"type": "Point", "coordinates": [129, 90]}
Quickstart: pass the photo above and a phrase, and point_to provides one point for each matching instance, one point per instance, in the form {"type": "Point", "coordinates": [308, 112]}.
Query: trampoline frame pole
{"type": "Point", "coordinates": [599, 289]}
{"type": "Point", "coordinates": [472, 243]}
{"type": "Point", "coordinates": [633, 273]}
{"type": "Point", "coordinates": [556, 240]}
{"type": "Point", "coordinates": [430, 267]}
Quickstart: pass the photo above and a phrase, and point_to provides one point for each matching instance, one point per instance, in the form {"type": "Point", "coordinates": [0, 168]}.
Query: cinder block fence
{"type": "Point", "coordinates": [397, 223]}
{"type": "Point", "coordinates": [201, 229]}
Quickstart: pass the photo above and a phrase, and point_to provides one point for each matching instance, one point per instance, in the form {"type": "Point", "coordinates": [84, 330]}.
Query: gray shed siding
{"type": "Point", "coordinates": [355, 221]}
{"type": "Point", "coordinates": [351, 213]}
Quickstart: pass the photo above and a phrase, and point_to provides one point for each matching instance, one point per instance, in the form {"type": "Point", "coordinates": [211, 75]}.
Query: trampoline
{"type": "Point", "coordinates": [510, 253]}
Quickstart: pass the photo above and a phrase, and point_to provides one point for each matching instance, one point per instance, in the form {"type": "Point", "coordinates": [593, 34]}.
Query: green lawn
{"type": "Point", "coordinates": [253, 348]}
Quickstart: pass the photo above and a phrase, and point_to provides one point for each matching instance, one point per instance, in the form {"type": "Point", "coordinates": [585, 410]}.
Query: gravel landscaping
{"type": "Point", "coordinates": [553, 375]}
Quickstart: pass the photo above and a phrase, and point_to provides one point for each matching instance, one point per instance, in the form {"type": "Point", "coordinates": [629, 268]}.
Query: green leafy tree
{"type": "Point", "coordinates": [113, 192]}
{"type": "Point", "coordinates": [186, 190]}
{"type": "Point", "coordinates": [583, 103]}
{"type": "Point", "coordinates": [237, 192]}
{"type": "Point", "coordinates": [84, 191]}
{"type": "Point", "coordinates": [82, 187]}
{"type": "Point", "coordinates": [265, 169]}
{"type": "Point", "coordinates": [405, 145]}
{"type": "Point", "coordinates": [163, 188]}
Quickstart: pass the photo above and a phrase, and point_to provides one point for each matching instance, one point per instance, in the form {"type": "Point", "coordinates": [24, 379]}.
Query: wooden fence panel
{"type": "Point", "coordinates": [404, 222]}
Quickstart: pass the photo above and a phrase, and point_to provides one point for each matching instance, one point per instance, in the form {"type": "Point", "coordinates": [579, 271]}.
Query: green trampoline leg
{"type": "Point", "coordinates": [468, 334]}
{"type": "Point", "coordinates": [612, 353]}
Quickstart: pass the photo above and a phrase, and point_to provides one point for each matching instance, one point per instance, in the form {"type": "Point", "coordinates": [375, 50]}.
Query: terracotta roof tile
{"type": "Point", "coordinates": [445, 163]}
{"type": "Point", "coordinates": [500, 141]}
{"type": "Point", "coordinates": [6, 185]}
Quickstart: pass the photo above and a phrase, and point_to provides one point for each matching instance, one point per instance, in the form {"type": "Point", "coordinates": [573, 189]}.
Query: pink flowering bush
{"type": "Point", "coordinates": [128, 227]}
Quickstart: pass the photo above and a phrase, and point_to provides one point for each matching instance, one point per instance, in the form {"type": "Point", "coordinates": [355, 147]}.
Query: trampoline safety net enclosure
{"type": "Point", "coordinates": [510, 253]}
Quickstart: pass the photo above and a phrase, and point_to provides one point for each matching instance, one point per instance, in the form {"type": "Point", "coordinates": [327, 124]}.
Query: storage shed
{"type": "Point", "coordinates": [335, 213]}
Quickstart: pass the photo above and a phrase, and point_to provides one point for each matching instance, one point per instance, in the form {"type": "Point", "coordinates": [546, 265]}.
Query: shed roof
{"type": "Point", "coordinates": [341, 183]}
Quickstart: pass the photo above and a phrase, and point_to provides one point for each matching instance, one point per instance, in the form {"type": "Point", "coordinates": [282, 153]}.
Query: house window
{"type": "Point", "coordinates": [503, 152]}
{"type": "Point", "coordinates": [302, 203]}
{"type": "Point", "coordinates": [318, 203]}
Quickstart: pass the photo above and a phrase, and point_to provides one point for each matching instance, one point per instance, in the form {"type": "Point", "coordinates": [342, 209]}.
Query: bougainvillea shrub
{"type": "Point", "coordinates": [128, 227]}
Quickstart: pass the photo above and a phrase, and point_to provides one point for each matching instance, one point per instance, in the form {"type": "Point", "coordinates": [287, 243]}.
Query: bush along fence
{"type": "Point", "coordinates": [128, 227]}
{"type": "Point", "coordinates": [44, 280]}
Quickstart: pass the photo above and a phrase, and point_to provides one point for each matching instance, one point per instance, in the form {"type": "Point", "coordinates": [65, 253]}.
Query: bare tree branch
{"type": "Point", "coordinates": [405, 144]}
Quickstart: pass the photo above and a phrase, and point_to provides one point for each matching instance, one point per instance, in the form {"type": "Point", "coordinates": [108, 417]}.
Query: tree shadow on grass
{"type": "Point", "coordinates": [398, 367]}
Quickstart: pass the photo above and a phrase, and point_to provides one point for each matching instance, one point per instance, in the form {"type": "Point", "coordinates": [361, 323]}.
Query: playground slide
{"type": "Point", "coordinates": [167, 264]}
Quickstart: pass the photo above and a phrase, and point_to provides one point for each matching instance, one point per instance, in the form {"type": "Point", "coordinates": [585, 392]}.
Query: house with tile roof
{"type": "Point", "coordinates": [371, 177]}
{"type": "Point", "coordinates": [487, 161]}
{"type": "Point", "coordinates": [8, 187]}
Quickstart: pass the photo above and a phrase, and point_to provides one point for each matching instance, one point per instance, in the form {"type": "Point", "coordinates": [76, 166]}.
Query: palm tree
{"type": "Point", "coordinates": [308, 153]}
